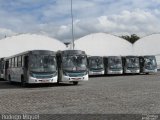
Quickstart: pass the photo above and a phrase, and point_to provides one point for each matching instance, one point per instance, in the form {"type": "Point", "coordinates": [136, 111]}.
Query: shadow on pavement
{"type": "Point", "coordinates": [14, 85]}
{"type": "Point", "coordinates": [117, 75]}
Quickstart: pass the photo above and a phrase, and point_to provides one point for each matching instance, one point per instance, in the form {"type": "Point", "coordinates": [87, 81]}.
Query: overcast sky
{"type": "Point", "coordinates": [53, 17]}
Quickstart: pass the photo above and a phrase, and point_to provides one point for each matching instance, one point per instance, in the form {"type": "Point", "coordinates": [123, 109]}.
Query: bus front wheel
{"type": "Point", "coordinates": [75, 83]}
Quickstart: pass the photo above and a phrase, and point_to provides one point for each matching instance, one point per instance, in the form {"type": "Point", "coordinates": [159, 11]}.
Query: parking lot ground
{"type": "Point", "coordinates": [127, 94]}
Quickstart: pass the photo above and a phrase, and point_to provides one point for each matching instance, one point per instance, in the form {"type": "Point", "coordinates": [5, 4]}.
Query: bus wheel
{"type": "Point", "coordinates": [75, 83]}
{"type": "Point", "coordinates": [23, 83]}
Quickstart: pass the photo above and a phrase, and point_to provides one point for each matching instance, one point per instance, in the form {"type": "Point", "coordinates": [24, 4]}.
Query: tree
{"type": "Point", "coordinates": [133, 38]}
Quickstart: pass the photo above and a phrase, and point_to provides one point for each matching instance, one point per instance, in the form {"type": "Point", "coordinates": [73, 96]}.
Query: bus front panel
{"type": "Point", "coordinates": [74, 68]}
{"type": "Point", "coordinates": [42, 69]}
{"type": "Point", "coordinates": [131, 65]}
{"type": "Point", "coordinates": [114, 65]}
{"type": "Point", "coordinates": [96, 66]}
{"type": "Point", "coordinates": [148, 64]}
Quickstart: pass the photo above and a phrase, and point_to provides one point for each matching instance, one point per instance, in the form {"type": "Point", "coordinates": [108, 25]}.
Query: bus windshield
{"type": "Point", "coordinates": [150, 62]}
{"type": "Point", "coordinates": [42, 63]}
{"type": "Point", "coordinates": [74, 63]}
{"type": "Point", "coordinates": [115, 63]}
{"type": "Point", "coordinates": [132, 62]}
{"type": "Point", "coordinates": [96, 63]}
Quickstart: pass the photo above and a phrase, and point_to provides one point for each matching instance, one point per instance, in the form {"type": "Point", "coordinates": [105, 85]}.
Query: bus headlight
{"type": "Point", "coordinates": [65, 73]}
{"type": "Point", "coordinates": [54, 74]}
{"type": "Point", "coordinates": [86, 72]}
{"type": "Point", "coordinates": [32, 75]}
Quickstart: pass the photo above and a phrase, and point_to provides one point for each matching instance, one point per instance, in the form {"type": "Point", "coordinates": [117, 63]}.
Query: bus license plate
{"type": "Point", "coordinates": [76, 78]}
{"type": "Point", "coordinates": [95, 73]}
{"type": "Point", "coordinates": [133, 71]}
{"type": "Point", "coordinates": [43, 81]}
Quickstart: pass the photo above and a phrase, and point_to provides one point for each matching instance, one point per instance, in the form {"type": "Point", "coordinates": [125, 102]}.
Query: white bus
{"type": "Point", "coordinates": [95, 65]}
{"type": "Point", "coordinates": [131, 64]}
{"type": "Point", "coordinates": [148, 64]}
{"type": "Point", "coordinates": [113, 65]}
{"type": "Point", "coordinates": [72, 66]}
{"type": "Point", "coordinates": [31, 67]}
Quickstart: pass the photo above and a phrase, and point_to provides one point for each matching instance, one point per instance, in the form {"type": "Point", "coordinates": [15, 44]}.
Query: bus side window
{"type": "Point", "coordinates": [22, 60]}
{"type": "Point", "coordinates": [9, 63]}
{"type": "Point", "coordinates": [19, 61]}
{"type": "Point", "coordinates": [12, 63]}
{"type": "Point", "coordinates": [15, 62]}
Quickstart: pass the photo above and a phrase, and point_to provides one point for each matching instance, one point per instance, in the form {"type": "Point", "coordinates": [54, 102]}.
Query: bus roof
{"type": "Point", "coordinates": [95, 57]}
{"type": "Point", "coordinates": [33, 52]}
{"type": "Point", "coordinates": [130, 56]}
{"type": "Point", "coordinates": [73, 52]}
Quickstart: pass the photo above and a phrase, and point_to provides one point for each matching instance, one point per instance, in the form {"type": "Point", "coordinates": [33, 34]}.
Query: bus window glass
{"type": "Point", "coordinates": [78, 62]}
{"type": "Point", "coordinates": [40, 63]}
{"type": "Point", "coordinates": [150, 62]}
{"type": "Point", "coordinates": [15, 62]}
{"type": "Point", "coordinates": [95, 63]}
{"type": "Point", "coordinates": [22, 60]}
{"type": "Point", "coordinates": [19, 61]}
{"type": "Point", "coordinates": [12, 62]}
{"type": "Point", "coordinates": [9, 63]}
{"type": "Point", "coordinates": [132, 62]}
{"type": "Point", "coordinates": [115, 63]}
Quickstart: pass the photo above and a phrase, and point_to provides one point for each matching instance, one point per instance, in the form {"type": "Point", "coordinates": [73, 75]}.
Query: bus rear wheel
{"type": "Point", "coordinates": [75, 83]}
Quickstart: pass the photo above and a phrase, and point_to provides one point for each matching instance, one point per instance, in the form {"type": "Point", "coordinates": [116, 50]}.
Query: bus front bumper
{"type": "Point", "coordinates": [150, 71]}
{"type": "Point", "coordinates": [96, 73]}
{"type": "Point", "coordinates": [72, 79]}
{"type": "Point", "coordinates": [33, 80]}
{"type": "Point", "coordinates": [132, 71]}
{"type": "Point", "coordinates": [115, 72]}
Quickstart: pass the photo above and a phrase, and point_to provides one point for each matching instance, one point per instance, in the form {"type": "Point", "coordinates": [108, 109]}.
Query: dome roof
{"type": "Point", "coordinates": [149, 45]}
{"type": "Point", "coordinates": [102, 44]}
{"type": "Point", "coordinates": [24, 42]}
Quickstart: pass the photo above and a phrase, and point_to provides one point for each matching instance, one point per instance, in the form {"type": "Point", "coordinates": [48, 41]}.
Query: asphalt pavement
{"type": "Point", "coordinates": [124, 94]}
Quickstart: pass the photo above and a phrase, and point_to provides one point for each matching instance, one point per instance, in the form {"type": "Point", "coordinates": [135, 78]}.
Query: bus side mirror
{"type": "Point", "coordinates": [26, 60]}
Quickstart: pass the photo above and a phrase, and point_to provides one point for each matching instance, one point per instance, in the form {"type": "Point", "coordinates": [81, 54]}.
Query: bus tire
{"type": "Point", "coordinates": [23, 83]}
{"type": "Point", "coordinates": [75, 83]}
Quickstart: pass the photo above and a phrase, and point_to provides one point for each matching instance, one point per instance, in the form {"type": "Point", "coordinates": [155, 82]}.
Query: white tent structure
{"type": "Point", "coordinates": [24, 42]}
{"type": "Point", "coordinates": [149, 45]}
{"type": "Point", "coordinates": [102, 44]}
